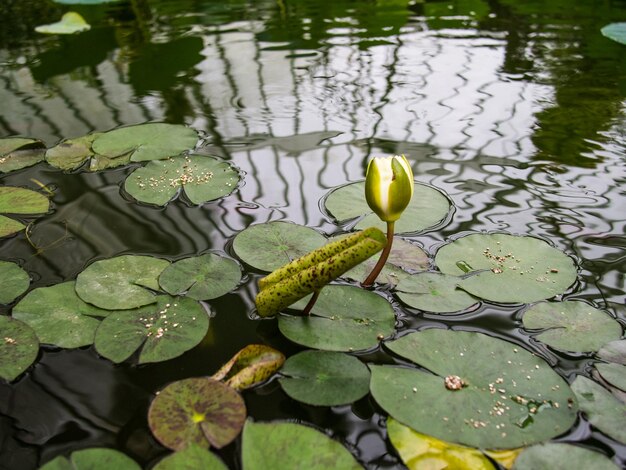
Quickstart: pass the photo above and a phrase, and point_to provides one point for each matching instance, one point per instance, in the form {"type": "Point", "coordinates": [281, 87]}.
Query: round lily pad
{"type": "Point", "coordinates": [122, 282]}
{"type": "Point", "coordinates": [190, 458]}
{"type": "Point", "coordinates": [202, 178]}
{"type": "Point", "coordinates": [59, 316]}
{"type": "Point", "coordinates": [434, 292]}
{"type": "Point", "coordinates": [325, 378]}
{"type": "Point", "coordinates": [269, 446]}
{"type": "Point", "coordinates": [615, 31]}
{"type": "Point", "coordinates": [507, 268]}
{"type": "Point", "coordinates": [19, 152]}
{"type": "Point", "coordinates": [151, 141]}
{"type": "Point", "coordinates": [92, 459]}
{"type": "Point", "coordinates": [18, 347]}
{"type": "Point", "coordinates": [163, 330]}
{"type": "Point", "coordinates": [14, 281]}
{"type": "Point", "coordinates": [202, 278]}
{"type": "Point", "coordinates": [614, 374]}
{"type": "Point", "coordinates": [70, 23]}
{"type": "Point", "coordinates": [271, 245]}
{"type": "Point", "coordinates": [615, 351]}
{"type": "Point", "coordinates": [198, 411]}
{"type": "Point", "coordinates": [14, 200]}
{"type": "Point", "coordinates": [480, 391]}
{"type": "Point", "coordinates": [560, 456]}
{"type": "Point", "coordinates": [345, 318]}
{"type": "Point", "coordinates": [428, 208]}
{"type": "Point", "coordinates": [571, 326]}
{"type": "Point", "coordinates": [69, 154]}
{"type": "Point", "coordinates": [250, 366]}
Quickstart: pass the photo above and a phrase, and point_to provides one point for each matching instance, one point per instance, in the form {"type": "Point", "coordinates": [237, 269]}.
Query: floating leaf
{"type": "Point", "coordinates": [269, 246]}
{"type": "Point", "coordinates": [59, 316]}
{"type": "Point", "coordinates": [70, 23]}
{"type": "Point", "coordinates": [190, 458]}
{"type": "Point", "coordinates": [316, 269]}
{"type": "Point", "coordinates": [507, 268]}
{"type": "Point", "coordinates": [427, 208]}
{"type": "Point", "coordinates": [614, 374]}
{"type": "Point", "coordinates": [19, 152]}
{"type": "Point", "coordinates": [615, 351]}
{"type": "Point", "coordinates": [269, 446]}
{"type": "Point", "coordinates": [419, 451]}
{"type": "Point", "coordinates": [480, 392]}
{"type": "Point", "coordinates": [202, 278]}
{"type": "Point", "coordinates": [198, 411]}
{"type": "Point", "coordinates": [249, 367]}
{"type": "Point", "coordinates": [615, 31]}
{"type": "Point", "coordinates": [18, 347]}
{"type": "Point", "coordinates": [14, 281]}
{"type": "Point", "coordinates": [163, 330]}
{"type": "Point", "coordinates": [325, 378]}
{"type": "Point", "coordinates": [345, 318]}
{"type": "Point", "coordinates": [571, 326]}
{"type": "Point", "coordinates": [122, 282]}
{"type": "Point", "coordinates": [92, 459]}
{"type": "Point", "coordinates": [69, 154]}
{"type": "Point", "coordinates": [434, 292]}
{"type": "Point", "coordinates": [560, 456]}
{"type": "Point", "coordinates": [22, 201]}
{"type": "Point", "coordinates": [202, 178]}
{"type": "Point", "coordinates": [151, 141]}
{"type": "Point", "coordinates": [83, 2]}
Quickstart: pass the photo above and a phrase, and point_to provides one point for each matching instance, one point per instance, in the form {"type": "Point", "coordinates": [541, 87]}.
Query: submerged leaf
{"type": "Point", "coordinates": [18, 347]}
{"type": "Point", "coordinates": [92, 459]}
{"type": "Point", "coordinates": [191, 457]}
{"type": "Point", "coordinates": [561, 456]}
{"type": "Point", "coordinates": [14, 281]}
{"type": "Point", "coordinates": [19, 152]}
{"type": "Point", "coordinates": [198, 411]}
{"type": "Point", "coordinates": [251, 366]}
{"type": "Point", "coordinates": [434, 292]}
{"type": "Point", "coordinates": [70, 23]}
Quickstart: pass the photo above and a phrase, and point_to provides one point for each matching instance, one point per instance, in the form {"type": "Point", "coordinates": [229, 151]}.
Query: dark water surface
{"type": "Point", "coordinates": [515, 109]}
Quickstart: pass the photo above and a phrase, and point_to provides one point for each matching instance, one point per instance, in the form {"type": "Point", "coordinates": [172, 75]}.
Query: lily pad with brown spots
{"type": "Point", "coordinates": [18, 347]}
{"type": "Point", "coordinates": [251, 366]}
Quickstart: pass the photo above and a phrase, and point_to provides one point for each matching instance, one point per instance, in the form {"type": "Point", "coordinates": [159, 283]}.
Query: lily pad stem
{"type": "Point", "coordinates": [383, 257]}
{"type": "Point", "coordinates": [309, 306]}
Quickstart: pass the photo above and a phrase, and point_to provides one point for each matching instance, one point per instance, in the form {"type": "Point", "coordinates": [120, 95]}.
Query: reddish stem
{"type": "Point", "coordinates": [383, 257]}
{"type": "Point", "coordinates": [309, 306]}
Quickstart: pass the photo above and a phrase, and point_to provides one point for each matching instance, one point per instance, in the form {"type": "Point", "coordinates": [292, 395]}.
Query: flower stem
{"type": "Point", "coordinates": [309, 306]}
{"type": "Point", "coordinates": [383, 257]}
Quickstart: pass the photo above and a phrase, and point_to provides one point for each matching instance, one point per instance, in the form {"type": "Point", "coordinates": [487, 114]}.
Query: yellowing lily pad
{"type": "Point", "coordinates": [14, 281]}
{"type": "Point", "coordinates": [20, 152]}
{"type": "Point", "coordinates": [477, 391]}
{"type": "Point", "coordinates": [92, 459]}
{"type": "Point", "coordinates": [251, 366]}
{"type": "Point", "coordinates": [427, 209]}
{"type": "Point", "coordinates": [561, 456]}
{"type": "Point", "coordinates": [197, 411]}
{"type": "Point", "coordinates": [571, 326]}
{"type": "Point", "coordinates": [506, 268]}
{"type": "Point", "coordinates": [18, 347]}
{"type": "Point", "coordinates": [70, 23]}
{"type": "Point", "coordinates": [190, 458]}
{"type": "Point", "coordinates": [21, 201]}
{"type": "Point", "coordinates": [434, 292]}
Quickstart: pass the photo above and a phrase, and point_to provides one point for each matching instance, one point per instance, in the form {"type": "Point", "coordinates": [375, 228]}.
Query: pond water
{"type": "Point", "coordinates": [516, 110]}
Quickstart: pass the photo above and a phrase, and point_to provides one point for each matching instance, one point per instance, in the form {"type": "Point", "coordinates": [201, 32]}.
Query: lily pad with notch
{"type": "Point", "coordinates": [92, 459]}
{"type": "Point", "coordinates": [251, 366]}
{"type": "Point", "coordinates": [163, 330]}
{"type": "Point", "coordinates": [14, 281]}
{"type": "Point", "coordinates": [428, 208]}
{"type": "Point", "coordinates": [20, 152]}
{"type": "Point", "coordinates": [507, 268]}
{"type": "Point", "coordinates": [122, 282]}
{"type": "Point", "coordinates": [197, 411]}
{"type": "Point", "coordinates": [191, 457]}
{"type": "Point", "coordinates": [202, 277]}
{"type": "Point", "coordinates": [561, 456]}
{"type": "Point", "coordinates": [481, 391]}
{"type": "Point", "coordinates": [271, 245]}
{"type": "Point", "coordinates": [434, 292]}
{"type": "Point", "coordinates": [19, 201]}
{"type": "Point", "coordinates": [69, 154]}
{"type": "Point", "coordinates": [345, 318]}
{"type": "Point", "coordinates": [18, 347]}
{"type": "Point", "coordinates": [325, 378]}
{"type": "Point", "coordinates": [571, 326]}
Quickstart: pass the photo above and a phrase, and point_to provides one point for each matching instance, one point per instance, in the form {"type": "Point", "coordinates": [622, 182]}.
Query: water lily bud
{"type": "Point", "coordinates": [389, 186]}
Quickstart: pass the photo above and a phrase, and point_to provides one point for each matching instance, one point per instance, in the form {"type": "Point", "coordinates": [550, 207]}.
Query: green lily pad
{"type": "Point", "coordinates": [202, 179]}
{"type": "Point", "coordinates": [22, 201]}
{"type": "Point", "coordinates": [59, 316]}
{"type": "Point", "coordinates": [325, 378]}
{"type": "Point", "coordinates": [434, 292]}
{"type": "Point", "coordinates": [122, 282]}
{"type": "Point", "coordinates": [69, 154]}
{"type": "Point", "coordinates": [269, 446]}
{"type": "Point", "coordinates": [251, 366]}
{"type": "Point", "coordinates": [191, 458]}
{"type": "Point", "coordinates": [163, 330]}
{"type": "Point", "coordinates": [480, 392]}
{"type": "Point", "coordinates": [18, 347]}
{"type": "Point", "coordinates": [507, 268]}
{"type": "Point", "coordinates": [70, 23]}
{"type": "Point", "coordinates": [560, 456]}
{"type": "Point", "coordinates": [615, 351]}
{"type": "Point", "coordinates": [345, 318]}
{"type": "Point", "coordinates": [92, 459]}
{"type": "Point", "coordinates": [151, 141]}
{"type": "Point", "coordinates": [603, 410]}
{"type": "Point", "coordinates": [428, 208]}
{"type": "Point", "coordinates": [269, 246]}
{"type": "Point", "coordinates": [615, 31]}
{"type": "Point", "coordinates": [419, 451]}
{"type": "Point", "coordinates": [198, 411]}
{"type": "Point", "coordinates": [614, 374]}
{"type": "Point", "coordinates": [19, 152]}
{"type": "Point", "coordinates": [202, 278]}
{"type": "Point", "coordinates": [571, 326]}
{"type": "Point", "coordinates": [14, 281]}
